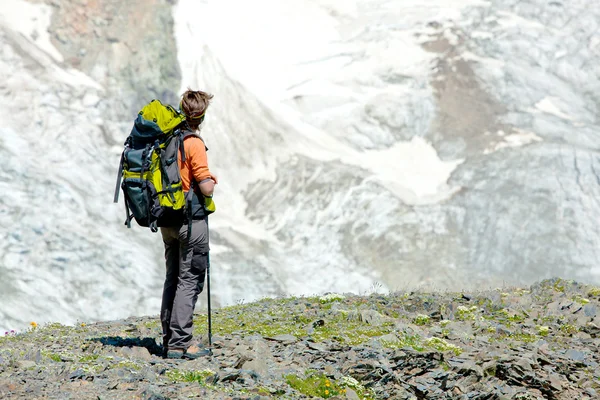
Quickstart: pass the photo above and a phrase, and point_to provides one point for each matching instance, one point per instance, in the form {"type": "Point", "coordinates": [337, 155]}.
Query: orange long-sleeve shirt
{"type": "Point", "coordinates": [196, 163]}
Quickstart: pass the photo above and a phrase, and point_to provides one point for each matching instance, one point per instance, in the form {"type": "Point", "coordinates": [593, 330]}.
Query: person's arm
{"type": "Point", "coordinates": [198, 162]}
{"type": "Point", "coordinates": [207, 187]}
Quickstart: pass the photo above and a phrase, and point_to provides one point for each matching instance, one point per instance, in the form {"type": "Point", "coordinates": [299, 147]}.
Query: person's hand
{"type": "Point", "coordinates": [214, 178]}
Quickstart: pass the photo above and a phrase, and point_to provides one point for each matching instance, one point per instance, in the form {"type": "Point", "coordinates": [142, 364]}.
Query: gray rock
{"type": "Point", "coordinates": [285, 339]}
{"type": "Point", "coordinates": [590, 310]}
{"type": "Point", "coordinates": [460, 329]}
{"type": "Point", "coordinates": [372, 317]}
{"type": "Point", "coordinates": [258, 365]}
{"type": "Point", "coordinates": [351, 394]}
{"type": "Point", "coordinates": [77, 374]}
{"type": "Point", "coordinates": [489, 368]}
{"type": "Point", "coordinates": [575, 355]}
{"type": "Point", "coordinates": [555, 382]}
{"type": "Point", "coordinates": [317, 346]}
{"type": "Point", "coordinates": [141, 353]}
{"type": "Point", "coordinates": [523, 363]}
{"type": "Point", "coordinates": [150, 393]}
{"type": "Point", "coordinates": [26, 364]}
{"type": "Point", "coordinates": [468, 368]}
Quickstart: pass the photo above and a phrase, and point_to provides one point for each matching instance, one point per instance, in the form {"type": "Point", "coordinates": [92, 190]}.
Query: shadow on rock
{"type": "Point", "coordinates": [118, 341]}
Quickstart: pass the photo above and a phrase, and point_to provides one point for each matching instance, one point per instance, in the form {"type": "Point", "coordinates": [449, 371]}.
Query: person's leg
{"type": "Point", "coordinates": [171, 242]}
{"type": "Point", "coordinates": [193, 261]}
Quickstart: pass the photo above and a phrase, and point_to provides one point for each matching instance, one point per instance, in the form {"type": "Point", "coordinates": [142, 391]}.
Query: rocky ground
{"type": "Point", "coordinates": [536, 343]}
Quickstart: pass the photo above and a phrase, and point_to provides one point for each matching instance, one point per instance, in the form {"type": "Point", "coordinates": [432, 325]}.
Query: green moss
{"type": "Point", "coordinates": [153, 324]}
{"type": "Point", "coordinates": [391, 313]}
{"type": "Point", "coordinates": [524, 337]}
{"type": "Point", "coordinates": [93, 368]}
{"type": "Point", "coordinates": [417, 343]}
{"type": "Point", "coordinates": [52, 356]}
{"type": "Point", "coordinates": [463, 313]}
{"type": "Point", "coordinates": [581, 300]}
{"type": "Point", "coordinates": [56, 326]}
{"type": "Point", "coordinates": [88, 358]}
{"type": "Point", "coordinates": [318, 385]}
{"type": "Point", "coordinates": [412, 341]}
{"type": "Point", "coordinates": [263, 391]}
{"type": "Point", "coordinates": [314, 385]}
{"type": "Point", "coordinates": [245, 320]}
{"type": "Point", "coordinates": [509, 316]}
{"type": "Point", "coordinates": [594, 292]}
{"type": "Point", "coordinates": [543, 330]}
{"type": "Point", "coordinates": [350, 332]}
{"type": "Point", "coordinates": [548, 318]}
{"type": "Point", "coordinates": [568, 329]}
{"type": "Point", "coordinates": [515, 337]}
{"type": "Point", "coordinates": [9, 339]}
{"type": "Point", "coordinates": [127, 365]}
{"type": "Point", "coordinates": [559, 285]}
{"type": "Point", "coordinates": [329, 298]}
{"type": "Point", "coordinates": [521, 292]}
{"type": "Point", "coordinates": [177, 375]}
{"type": "Point", "coordinates": [248, 324]}
{"type": "Point", "coordinates": [421, 319]}
{"type": "Point", "coordinates": [441, 345]}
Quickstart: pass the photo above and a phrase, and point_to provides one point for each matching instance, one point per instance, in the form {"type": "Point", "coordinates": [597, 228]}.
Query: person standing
{"type": "Point", "coordinates": [187, 247]}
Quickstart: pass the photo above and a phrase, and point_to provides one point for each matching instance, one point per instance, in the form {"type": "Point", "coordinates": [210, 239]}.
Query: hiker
{"type": "Point", "coordinates": [187, 245]}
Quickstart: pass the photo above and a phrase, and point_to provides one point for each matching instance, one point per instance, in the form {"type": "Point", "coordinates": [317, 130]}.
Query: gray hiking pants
{"type": "Point", "coordinates": [186, 269]}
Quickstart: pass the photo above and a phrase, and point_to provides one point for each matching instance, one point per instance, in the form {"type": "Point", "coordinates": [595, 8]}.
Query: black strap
{"type": "Point", "coordinates": [190, 220]}
{"type": "Point", "coordinates": [181, 149]}
{"type": "Point", "coordinates": [170, 190]}
{"type": "Point", "coordinates": [128, 216]}
{"type": "Point", "coordinates": [166, 183]}
{"type": "Point", "coordinates": [143, 170]}
{"type": "Point", "coordinates": [144, 155]}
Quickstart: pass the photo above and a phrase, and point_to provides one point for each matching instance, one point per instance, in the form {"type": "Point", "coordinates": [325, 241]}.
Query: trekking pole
{"type": "Point", "coordinates": [208, 295]}
{"type": "Point", "coordinates": [208, 291]}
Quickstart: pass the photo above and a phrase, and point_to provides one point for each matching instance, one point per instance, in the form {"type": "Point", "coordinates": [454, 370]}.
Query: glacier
{"type": "Point", "coordinates": [360, 146]}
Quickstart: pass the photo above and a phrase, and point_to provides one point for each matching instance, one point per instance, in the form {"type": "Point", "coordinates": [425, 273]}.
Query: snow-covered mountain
{"type": "Point", "coordinates": [360, 145]}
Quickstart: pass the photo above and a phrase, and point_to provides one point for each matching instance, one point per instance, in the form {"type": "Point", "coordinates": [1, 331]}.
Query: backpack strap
{"type": "Point", "coordinates": [128, 214]}
{"type": "Point", "coordinates": [181, 148]}
{"type": "Point", "coordinates": [120, 173]}
{"type": "Point", "coordinates": [145, 153]}
{"type": "Point", "coordinates": [165, 163]}
{"type": "Point", "coordinates": [189, 197]}
{"type": "Point", "coordinates": [189, 133]}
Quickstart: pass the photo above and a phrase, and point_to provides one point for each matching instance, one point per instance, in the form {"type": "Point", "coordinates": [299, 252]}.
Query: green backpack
{"type": "Point", "coordinates": [149, 173]}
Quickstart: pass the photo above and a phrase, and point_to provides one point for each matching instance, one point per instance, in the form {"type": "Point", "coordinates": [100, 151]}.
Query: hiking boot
{"type": "Point", "coordinates": [194, 351]}
{"type": "Point", "coordinates": [191, 353]}
{"type": "Point", "coordinates": [174, 353]}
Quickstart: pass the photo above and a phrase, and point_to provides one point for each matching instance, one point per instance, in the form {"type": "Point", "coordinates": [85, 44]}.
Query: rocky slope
{"type": "Point", "coordinates": [536, 343]}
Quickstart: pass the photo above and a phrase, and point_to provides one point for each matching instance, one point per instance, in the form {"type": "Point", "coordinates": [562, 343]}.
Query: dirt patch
{"type": "Point", "coordinates": [467, 120]}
